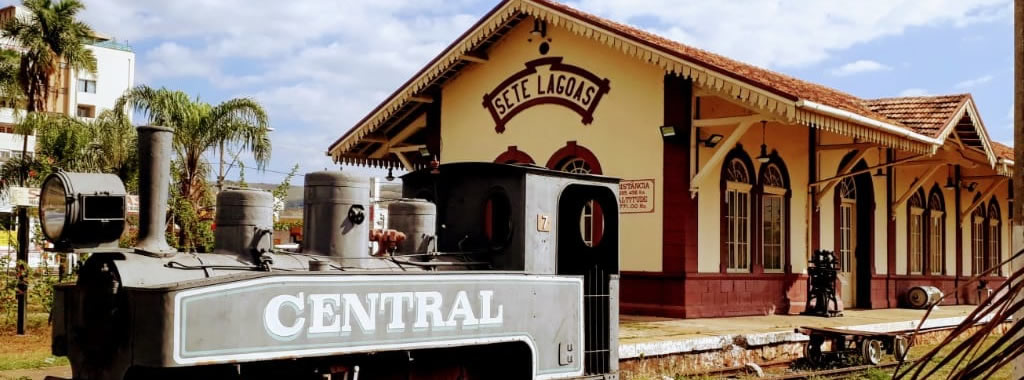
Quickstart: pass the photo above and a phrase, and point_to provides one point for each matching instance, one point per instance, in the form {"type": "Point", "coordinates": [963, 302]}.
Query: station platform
{"type": "Point", "coordinates": [709, 343]}
{"type": "Point", "coordinates": [731, 341]}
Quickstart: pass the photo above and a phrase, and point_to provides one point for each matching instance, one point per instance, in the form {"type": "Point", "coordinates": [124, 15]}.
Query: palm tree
{"type": "Point", "coordinates": [113, 147]}
{"type": "Point", "coordinates": [48, 38]}
{"type": "Point", "coordinates": [198, 129]}
{"type": "Point", "coordinates": [10, 91]}
{"type": "Point", "coordinates": [62, 142]}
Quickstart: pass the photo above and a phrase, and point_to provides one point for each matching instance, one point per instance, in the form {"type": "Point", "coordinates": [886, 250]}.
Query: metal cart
{"type": "Point", "coordinates": [848, 343]}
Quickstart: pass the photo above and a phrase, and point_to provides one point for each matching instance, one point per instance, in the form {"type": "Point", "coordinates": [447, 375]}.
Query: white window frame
{"type": "Point", "coordinates": [848, 207]}
{"type": "Point", "coordinates": [733, 224]}
{"type": "Point", "coordinates": [936, 237]}
{"type": "Point", "coordinates": [916, 246]}
{"type": "Point", "coordinates": [779, 194]}
{"type": "Point", "coordinates": [993, 244]}
{"type": "Point", "coordinates": [978, 244]}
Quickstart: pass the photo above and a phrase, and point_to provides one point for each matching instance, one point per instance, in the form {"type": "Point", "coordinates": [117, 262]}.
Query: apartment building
{"type": "Point", "coordinates": [78, 93]}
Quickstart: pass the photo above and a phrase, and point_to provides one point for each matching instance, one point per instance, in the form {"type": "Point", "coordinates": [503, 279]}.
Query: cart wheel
{"type": "Point", "coordinates": [812, 351]}
{"type": "Point", "coordinates": [871, 350]}
{"type": "Point", "coordinates": [899, 347]}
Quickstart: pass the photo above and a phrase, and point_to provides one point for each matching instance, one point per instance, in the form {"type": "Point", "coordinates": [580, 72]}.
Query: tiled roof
{"type": "Point", "coordinates": [926, 115]}
{"type": "Point", "coordinates": [768, 80]}
{"type": "Point", "coordinates": [1003, 151]}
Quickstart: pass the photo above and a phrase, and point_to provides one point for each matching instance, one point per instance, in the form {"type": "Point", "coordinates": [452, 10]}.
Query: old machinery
{"type": "Point", "coordinates": [476, 290]}
{"type": "Point", "coordinates": [821, 285]}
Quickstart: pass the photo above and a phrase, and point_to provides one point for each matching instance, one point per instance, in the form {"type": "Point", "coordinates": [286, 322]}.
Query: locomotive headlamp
{"type": "Point", "coordinates": [82, 210]}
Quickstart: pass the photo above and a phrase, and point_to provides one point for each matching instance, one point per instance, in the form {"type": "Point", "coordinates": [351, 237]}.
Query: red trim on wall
{"type": "Point", "coordinates": [712, 294]}
{"type": "Point", "coordinates": [514, 156]}
{"type": "Point", "coordinates": [959, 232]}
{"type": "Point", "coordinates": [572, 150]}
{"type": "Point", "coordinates": [679, 216]}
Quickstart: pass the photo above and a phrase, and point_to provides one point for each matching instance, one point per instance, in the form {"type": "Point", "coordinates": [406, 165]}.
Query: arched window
{"type": "Point", "coordinates": [774, 185]}
{"type": "Point", "coordinates": [978, 230]}
{"type": "Point", "coordinates": [513, 156]}
{"type": "Point", "coordinates": [916, 235]}
{"type": "Point", "coordinates": [994, 238]}
{"type": "Point", "coordinates": [573, 158]}
{"type": "Point", "coordinates": [847, 190]}
{"type": "Point", "coordinates": [576, 165]}
{"type": "Point", "coordinates": [936, 231]}
{"type": "Point", "coordinates": [737, 176]}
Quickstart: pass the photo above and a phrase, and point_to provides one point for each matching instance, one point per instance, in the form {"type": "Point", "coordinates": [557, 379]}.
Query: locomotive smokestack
{"type": "Point", "coordinates": [154, 182]}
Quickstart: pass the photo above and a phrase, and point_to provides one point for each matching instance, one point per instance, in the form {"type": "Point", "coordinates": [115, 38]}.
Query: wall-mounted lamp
{"type": "Point", "coordinates": [540, 29]}
{"type": "Point", "coordinates": [950, 185]}
{"type": "Point", "coordinates": [424, 152]}
{"type": "Point", "coordinates": [667, 131]}
{"type": "Point", "coordinates": [763, 157]}
{"type": "Point", "coordinates": [712, 141]}
{"type": "Point", "coordinates": [390, 177]}
{"type": "Point", "coordinates": [972, 186]}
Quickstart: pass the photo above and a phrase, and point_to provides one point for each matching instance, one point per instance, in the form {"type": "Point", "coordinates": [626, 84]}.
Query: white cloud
{"type": "Point", "coordinates": [859, 66]}
{"type": "Point", "coordinates": [914, 92]}
{"type": "Point", "coordinates": [791, 33]}
{"type": "Point", "coordinates": [318, 66]}
{"type": "Point", "coordinates": [170, 59]}
{"type": "Point", "coordinates": [321, 65]}
{"type": "Point", "coordinates": [973, 82]}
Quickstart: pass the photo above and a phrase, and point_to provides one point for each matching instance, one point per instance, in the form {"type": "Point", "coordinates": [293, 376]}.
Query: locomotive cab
{"type": "Point", "coordinates": [538, 221]}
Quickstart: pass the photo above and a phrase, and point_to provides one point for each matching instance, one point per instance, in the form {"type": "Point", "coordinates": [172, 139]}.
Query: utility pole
{"type": "Point", "coordinates": [22, 266]}
{"type": "Point", "coordinates": [1018, 154]}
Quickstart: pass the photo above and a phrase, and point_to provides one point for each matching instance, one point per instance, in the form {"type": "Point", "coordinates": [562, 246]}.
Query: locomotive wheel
{"type": "Point", "coordinates": [899, 347]}
{"type": "Point", "coordinates": [812, 351]}
{"type": "Point", "coordinates": [871, 351]}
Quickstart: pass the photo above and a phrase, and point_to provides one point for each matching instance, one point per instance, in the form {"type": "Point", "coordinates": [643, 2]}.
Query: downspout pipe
{"type": "Point", "coordinates": [850, 116]}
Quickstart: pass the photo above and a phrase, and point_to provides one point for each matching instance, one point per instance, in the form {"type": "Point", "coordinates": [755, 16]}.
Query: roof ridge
{"type": "Point", "coordinates": [937, 96]}
{"type": "Point", "coordinates": [853, 102]}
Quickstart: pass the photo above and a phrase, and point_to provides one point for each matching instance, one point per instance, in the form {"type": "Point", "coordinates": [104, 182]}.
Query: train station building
{"type": "Point", "coordinates": [732, 175]}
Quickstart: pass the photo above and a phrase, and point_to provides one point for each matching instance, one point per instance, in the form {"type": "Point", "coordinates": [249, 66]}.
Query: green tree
{"type": "Point", "coordinates": [114, 147]}
{"type": "Point", "coordinates": [10, 89]}
{"type": "Point", "coordinates": [48, 38]}
{"type": "Point", "coordinates": [199, 128]}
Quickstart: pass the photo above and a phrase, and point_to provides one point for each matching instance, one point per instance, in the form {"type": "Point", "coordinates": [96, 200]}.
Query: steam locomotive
{"type": "Point", "coordinates": [494, 279]}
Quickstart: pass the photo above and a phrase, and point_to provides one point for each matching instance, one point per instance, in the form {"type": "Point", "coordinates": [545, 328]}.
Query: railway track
{"type": "Point", "coordinates": [832, 373]}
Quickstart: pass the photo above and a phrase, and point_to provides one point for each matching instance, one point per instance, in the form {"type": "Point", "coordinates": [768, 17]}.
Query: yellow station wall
{"type": "Point", "coordinates": [624, 137]}
{"type": "Point", "coordinates": [624, 134]}
{"type": "Point", "coordinates": [790, 141]}
{"type": "Point", "coordinates": [829, 165]}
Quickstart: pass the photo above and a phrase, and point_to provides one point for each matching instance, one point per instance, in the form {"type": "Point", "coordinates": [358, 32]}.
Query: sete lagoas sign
{"type": "Point", "coordinates": [546, 81]}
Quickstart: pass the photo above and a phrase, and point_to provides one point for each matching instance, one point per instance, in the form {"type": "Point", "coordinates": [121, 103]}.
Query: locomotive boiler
{"type": "Point", "coordinates": [506, 271]}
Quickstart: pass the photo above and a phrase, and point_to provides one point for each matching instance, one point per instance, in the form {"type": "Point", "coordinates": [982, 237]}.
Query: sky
{"type": "Point", "coordinates": [319, 66]}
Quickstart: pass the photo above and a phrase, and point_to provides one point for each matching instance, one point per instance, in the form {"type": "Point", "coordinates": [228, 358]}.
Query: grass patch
{"type": "Point", "coordinates": [31, 350]}
{"type": "Point", "coordinates": [942, 373]}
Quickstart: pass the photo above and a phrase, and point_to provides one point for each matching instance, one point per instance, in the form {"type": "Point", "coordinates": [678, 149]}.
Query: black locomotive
{"type": "Point", "coordinates": [492, 280]}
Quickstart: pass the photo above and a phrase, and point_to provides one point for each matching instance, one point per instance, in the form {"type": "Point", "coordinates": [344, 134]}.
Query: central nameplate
{"type": "Point", "coordinates": [316, 315]}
